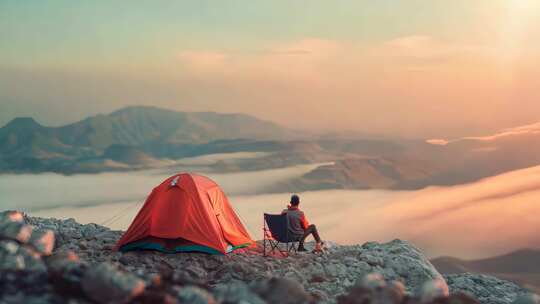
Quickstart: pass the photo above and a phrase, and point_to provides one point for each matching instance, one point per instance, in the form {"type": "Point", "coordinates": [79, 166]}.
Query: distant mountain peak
{"type": "Point", "coordinates": [131, 109]}
{"type": "Point", "coordinates": [145, 108]}
{"type": "Point", "coordinates": [23, 123]}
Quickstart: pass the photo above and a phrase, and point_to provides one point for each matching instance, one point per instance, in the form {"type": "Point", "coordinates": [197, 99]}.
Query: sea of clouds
{"type": "Point", "coordinates": [492, 216]}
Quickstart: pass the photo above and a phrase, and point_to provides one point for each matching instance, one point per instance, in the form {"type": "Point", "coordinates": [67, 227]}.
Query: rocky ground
{"type": "Point", "coordinates": [62, 261]}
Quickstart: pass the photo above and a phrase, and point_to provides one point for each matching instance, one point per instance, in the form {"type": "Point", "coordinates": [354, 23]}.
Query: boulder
{"type": "Point", "coordinates": [66, 272]}
{"type": "Point", "coordinates": [400, 261]}
{"type": "Point", "coordinates": [42, 241]}
{"type": "Point", "coordinates": [14, 282]}
{"type": "Point", "coordinates": [486, 289]}
{"type": "Point", "coordinates": [17, 231]}
{"type": "Point", "coordinates": [11, 216]}
{"type": "Point", "coordinates": [281, 290]}
{"type": "Point", "coordinates": [104, 283]}
{"type": "Point", "coordinates": [15, 257]}
{"type": "Point", "coordinates": [374, 289]}
{"type": "Point", "coordinates": [434, 289]}
{"type": "Point", "coordinates": [194, 295]}
{"type": "Point", "coordinates": [236, 293]}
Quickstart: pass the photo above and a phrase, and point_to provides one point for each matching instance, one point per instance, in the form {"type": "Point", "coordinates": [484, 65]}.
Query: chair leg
{"type": "Point", "coordinates": [273, 246]}
{"type": "Point", "coordinates": [292, 248]}
{"type": "Point", "coordinates": [281, 251]}
{"type": "Point", "coordinates": [264, 246]}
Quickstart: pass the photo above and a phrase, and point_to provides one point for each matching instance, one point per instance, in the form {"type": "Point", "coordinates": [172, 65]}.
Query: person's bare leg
{"type": "Point", "coordinates": [311, 229]}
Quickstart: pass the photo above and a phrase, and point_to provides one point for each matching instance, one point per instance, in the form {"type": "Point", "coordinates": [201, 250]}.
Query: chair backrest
{"type": "Point", "coordinates": [278, 225]}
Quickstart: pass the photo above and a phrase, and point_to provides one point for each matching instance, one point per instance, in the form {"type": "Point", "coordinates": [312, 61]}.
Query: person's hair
{"type": "Point", "coordinates": [295, 200]}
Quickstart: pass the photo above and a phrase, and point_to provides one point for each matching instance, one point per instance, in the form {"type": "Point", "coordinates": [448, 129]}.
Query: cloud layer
{"type": "Point", "coordinates": [531, 129]}
{"type": "Point", "coordinates": [493, 216]}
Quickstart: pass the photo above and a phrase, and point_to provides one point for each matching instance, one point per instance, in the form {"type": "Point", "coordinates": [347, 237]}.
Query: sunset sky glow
{"type": "Point", "coordinates": [422, 69]}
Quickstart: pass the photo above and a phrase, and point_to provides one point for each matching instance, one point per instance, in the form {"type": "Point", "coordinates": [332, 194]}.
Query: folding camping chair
{"type": "Point", "coordinates": [276, 231]}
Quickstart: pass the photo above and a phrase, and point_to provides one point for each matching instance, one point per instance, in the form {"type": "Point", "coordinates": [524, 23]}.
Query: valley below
{"type": "Point", "coordinates": [148, 138]}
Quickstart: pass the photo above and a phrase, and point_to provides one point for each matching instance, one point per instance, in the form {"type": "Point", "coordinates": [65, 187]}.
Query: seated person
{"type": "Point", "coordinates": [299, 226]}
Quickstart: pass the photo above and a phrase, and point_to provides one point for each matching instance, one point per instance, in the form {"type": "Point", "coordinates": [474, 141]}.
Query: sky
{"type": "Point", "coordinates": [415, 68]}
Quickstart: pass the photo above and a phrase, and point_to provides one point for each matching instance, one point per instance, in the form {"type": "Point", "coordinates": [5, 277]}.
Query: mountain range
{"type": "Point", "coordinates": [25, 145]}
{"type": "Point", "coordinates": [148, 137]}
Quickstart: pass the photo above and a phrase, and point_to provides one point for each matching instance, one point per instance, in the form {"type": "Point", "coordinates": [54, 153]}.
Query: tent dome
{"type": "Point", "coordinates": [185, 213]}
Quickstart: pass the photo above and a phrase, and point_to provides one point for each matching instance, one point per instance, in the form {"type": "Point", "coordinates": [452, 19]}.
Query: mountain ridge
{"type": "Point", "coordinates": [26, 145]}
{"type": "Point", "coordinates": [148, 119]}
{"type": "Point", "coordinates": [147, 137]}
{"type": "Point", "coordinates": [521, 267]}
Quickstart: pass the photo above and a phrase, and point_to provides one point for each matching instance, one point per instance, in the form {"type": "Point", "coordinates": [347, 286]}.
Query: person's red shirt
{"type": "Point", "coordinates": [301, 215]}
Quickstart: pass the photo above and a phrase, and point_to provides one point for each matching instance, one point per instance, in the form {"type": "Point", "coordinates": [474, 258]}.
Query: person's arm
{"type": "Point", "coordinates": [304, 221]}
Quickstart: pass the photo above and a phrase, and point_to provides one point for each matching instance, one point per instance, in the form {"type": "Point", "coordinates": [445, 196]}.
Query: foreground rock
{"type": "Point", "coordinates": [105, 284]}
{"type": "Point", "coordinates": [83, 268]}
{"type": "Point", "coordinates": [486, 289]}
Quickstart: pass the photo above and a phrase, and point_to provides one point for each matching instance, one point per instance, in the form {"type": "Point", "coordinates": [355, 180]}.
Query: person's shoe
{"type": "Point", "coordinates": [318, 247]}
{"type": "Point", "coordinates": [301, 248]}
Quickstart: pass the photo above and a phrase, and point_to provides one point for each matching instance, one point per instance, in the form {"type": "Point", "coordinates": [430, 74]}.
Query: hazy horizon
{"type": "Point", "coordinates": [443, 69]}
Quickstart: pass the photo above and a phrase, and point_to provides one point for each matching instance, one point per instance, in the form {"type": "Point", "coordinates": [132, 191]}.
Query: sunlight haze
{"type": "Point", "coordinates": [435, 69]}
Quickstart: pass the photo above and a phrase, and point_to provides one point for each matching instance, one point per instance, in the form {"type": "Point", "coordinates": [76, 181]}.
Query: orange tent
{"type": "Point", "coordinates": [185, 213]}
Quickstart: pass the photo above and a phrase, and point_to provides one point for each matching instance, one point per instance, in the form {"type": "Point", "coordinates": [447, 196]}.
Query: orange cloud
{"type": "Point", "coordinates": [438, 142]}
{"type": "Point", "coordinates": [522, 130]}
{"type": "Point", "coordinates": [400, 85]}
{"type": "Point", "coordinates": [489, 217]}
